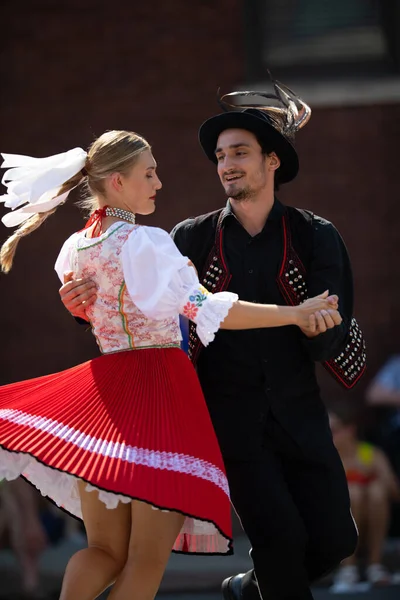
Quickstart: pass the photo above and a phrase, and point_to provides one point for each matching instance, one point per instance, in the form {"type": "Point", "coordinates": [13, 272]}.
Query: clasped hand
{"type": "Point", "coordinates": [319, 314]}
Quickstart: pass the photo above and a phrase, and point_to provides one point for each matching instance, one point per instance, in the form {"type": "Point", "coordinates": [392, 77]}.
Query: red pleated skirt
{"type": "Point", "coordinates": [133, 425]}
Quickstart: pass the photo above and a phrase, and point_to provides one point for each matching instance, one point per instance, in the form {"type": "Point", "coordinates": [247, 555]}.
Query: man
{"type": "Point", "coordinates": [286, 478]}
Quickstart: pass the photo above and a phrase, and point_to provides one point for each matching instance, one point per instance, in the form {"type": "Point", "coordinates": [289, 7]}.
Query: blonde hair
{"type": "Point", "coordinates": [114, 151]}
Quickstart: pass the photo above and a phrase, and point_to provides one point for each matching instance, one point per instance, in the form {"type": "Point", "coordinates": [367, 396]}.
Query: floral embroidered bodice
{"type": "Point", "coordinates": [143, 284]}
{"type": "Point", "coordinates": [116, 321]}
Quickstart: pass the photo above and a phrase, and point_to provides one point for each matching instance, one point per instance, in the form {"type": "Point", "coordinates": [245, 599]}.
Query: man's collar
{"type": "Point", "coordinates": [276, 213]}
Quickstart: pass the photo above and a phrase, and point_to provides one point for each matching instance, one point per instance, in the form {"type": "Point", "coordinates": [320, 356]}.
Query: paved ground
{"type": "Point", "coordinates": [184, 573]}
{"type": "Point", "coordinates": [392, 593]}
{"type": "Point", "coordinates": [186, 578]}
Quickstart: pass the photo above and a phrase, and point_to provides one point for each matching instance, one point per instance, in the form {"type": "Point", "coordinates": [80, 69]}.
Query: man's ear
{"type": "Point", "coordinates": [274, 162]}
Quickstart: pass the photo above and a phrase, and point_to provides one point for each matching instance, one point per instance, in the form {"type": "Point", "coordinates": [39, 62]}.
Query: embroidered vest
{"type": "Point", "coordinates": [348, 367]}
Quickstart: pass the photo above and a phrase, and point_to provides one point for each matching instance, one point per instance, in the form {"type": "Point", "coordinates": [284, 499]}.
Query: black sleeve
{"type": "Point", "coordinates": [181, 236]}
{"type": "Point", "coordinates": [330, 269]}
{"type": "Point", "coordinates": [81, 321]}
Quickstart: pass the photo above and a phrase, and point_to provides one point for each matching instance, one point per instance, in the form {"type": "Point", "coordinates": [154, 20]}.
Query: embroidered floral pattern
{"type": "Point", "coordinates": [190, 310]}
{"type": "Point", "coordinates": [199, 296]}
{"type": "Point", "coordinates": [119, 325]}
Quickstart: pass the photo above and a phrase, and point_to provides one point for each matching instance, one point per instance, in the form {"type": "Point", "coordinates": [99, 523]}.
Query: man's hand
{"type": "Point", "coordinates": [192, 265]}
{"type": "Point", "coordinates": [77, 295]}
{"type": "Point", "coordinates": [323, 320]}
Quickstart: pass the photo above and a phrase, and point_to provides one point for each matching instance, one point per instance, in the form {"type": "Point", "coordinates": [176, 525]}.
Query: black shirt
{"type": "Point", "coordinates": [244, 357]}
{"type": "Point", "coordinates": [244, 374]}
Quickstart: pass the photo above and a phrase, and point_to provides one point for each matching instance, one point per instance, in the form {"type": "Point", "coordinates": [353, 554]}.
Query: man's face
{"type": "Point", "coordinates": [242, 168]}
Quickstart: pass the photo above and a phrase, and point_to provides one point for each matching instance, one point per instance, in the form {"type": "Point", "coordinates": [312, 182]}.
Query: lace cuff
{"type": "Point", "coordinates": [207, 310]}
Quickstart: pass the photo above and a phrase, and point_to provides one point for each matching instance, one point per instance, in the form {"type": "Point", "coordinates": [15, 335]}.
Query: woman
{"type": "Point", "coordinates": [373, 486]}
{"type": "Point", "coordinates": [128, 431]}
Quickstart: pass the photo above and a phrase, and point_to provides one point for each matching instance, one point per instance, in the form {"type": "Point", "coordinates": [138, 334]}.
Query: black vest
{"type": "Point", "coordinates": [208, 256]}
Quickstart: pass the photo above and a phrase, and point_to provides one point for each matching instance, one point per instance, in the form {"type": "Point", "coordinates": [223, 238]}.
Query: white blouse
{"type": "Point", "coordinates": [140, 272]}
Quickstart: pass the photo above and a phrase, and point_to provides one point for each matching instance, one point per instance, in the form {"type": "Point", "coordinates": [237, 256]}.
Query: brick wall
{"type": "Point", "coordinates": [71, 70]}
{"type": "Point", "coordinates": [69, 73]}
{"type": "Point", "coordinates": [349, 174]}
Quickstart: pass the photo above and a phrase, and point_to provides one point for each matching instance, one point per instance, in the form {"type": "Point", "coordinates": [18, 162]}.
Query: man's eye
{"type": "Point", "coordinates": [219, 158]}
{"type": "Point", "coordinates": [240, 153]}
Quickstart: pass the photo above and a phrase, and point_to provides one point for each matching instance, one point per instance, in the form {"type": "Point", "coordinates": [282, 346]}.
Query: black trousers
{"type": "Point", "coordinates": [295, 509]}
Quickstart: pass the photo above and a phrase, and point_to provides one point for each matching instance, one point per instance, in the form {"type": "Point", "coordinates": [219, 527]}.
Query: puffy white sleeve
{"type": "Point", "coordinates": [64, 259]}
{"type": "Point", "coordinates": [162, 284]}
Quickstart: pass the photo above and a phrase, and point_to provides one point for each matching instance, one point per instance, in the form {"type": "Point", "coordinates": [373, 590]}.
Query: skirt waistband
{"type": "Point", "coordinates": [143, 348]}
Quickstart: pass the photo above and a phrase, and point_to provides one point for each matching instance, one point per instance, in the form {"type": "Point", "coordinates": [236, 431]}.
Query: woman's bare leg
{"type": "Point", "coordinates": [153, 535]}
{"type": "Point", "coordinates": [91, 570]}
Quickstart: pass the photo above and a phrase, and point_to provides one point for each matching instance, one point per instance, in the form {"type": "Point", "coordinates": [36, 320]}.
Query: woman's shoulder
{"type": "Point", "coordinates": [145, 234]}
{"type": "Point", "coordinates": [151, 241]}
{"type": "Point", "coordinates": [153, 232]}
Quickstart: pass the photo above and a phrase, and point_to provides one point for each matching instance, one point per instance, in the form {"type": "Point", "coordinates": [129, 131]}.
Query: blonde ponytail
{"type": "Point", "coordinates": [8, 249]}
{"type": "Point", "coordinates": [114, 151]}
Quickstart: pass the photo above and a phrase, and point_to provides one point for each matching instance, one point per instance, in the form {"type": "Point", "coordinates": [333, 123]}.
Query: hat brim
{"type": "Point", "coordinates": [211, 129]}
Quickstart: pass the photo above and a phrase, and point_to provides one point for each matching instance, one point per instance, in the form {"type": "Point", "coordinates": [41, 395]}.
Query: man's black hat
{"type": "Point", "coordinates": [274, 126]}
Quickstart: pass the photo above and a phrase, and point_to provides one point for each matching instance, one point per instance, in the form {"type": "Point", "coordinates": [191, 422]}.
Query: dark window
{"type": "Point", "coordinates": [322, 37]}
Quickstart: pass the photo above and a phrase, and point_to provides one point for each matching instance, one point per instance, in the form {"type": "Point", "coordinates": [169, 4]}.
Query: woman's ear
{"type": "Point", "coordinates": [116, 182]}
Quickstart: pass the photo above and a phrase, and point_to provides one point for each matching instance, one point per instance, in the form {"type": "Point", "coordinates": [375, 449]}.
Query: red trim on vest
{"type": "Point", "coordinates": [350, 365]}
{"type": "Point", "coordinates": [347, 368]}
{"type": "Point", "coordinates": [215, 277]}
{"type": "Point", "coordinates": [292, 274]}
{"type": "Point", "coordinates": [285, 236]}
{"type": "Point", "coordinates": [337, 374]}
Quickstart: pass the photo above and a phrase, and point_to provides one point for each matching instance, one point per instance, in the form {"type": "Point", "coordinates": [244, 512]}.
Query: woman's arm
{"type": "Point", "coordinates": [246, 315]}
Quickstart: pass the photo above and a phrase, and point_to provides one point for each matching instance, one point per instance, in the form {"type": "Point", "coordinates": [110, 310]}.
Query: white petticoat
{"type": "Point", "coordinates": [62, 488]}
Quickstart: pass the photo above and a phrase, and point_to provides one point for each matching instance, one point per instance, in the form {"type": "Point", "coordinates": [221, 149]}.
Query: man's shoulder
{"type": "Point", "coordinates": [198, 223]}
{"type": "Point", "coordinates": [305, 216]}
{"type": "Point", "coordinates": [308, 215]}
{"type": "Point", "coordinates": [311, 231]}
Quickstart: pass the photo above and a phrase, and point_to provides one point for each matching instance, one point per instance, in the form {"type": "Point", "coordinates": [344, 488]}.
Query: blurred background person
{"type": "Point", "coordinates": [383, 394]}
{"type": "Point", "coordinates": [384, 389]}
{"type": "Point", "coordinates": [26, 534]}
{"type": "Point", "coordinates": [373, 485]}
{"type": "Point", "coordinates": [343, 58]}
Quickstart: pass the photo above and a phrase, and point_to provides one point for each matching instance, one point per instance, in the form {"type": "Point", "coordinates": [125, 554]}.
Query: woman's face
{"type": "Point", "coordinates": [137, 189]}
